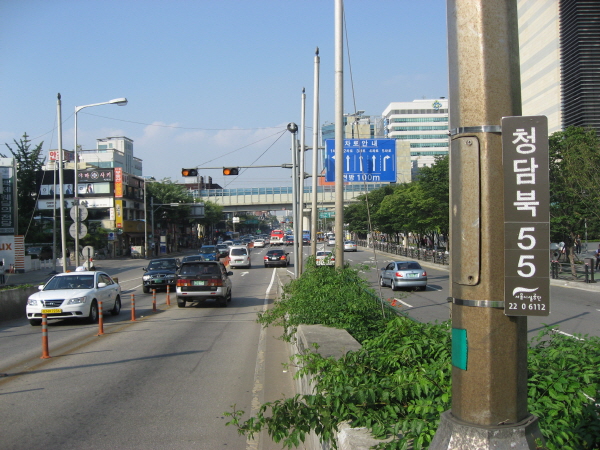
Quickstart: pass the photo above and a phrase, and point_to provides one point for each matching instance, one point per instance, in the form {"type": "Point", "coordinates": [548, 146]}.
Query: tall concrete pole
{"type": "Point", "coordinates": [489, 349]}
{"type": "Point", "coordinates": [314, 217]}
{"type": "Point", "coordinates": [339, 133]}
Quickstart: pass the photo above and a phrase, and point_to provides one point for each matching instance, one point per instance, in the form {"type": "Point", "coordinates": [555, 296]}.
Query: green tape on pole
{"type": "Point", "coordinates": [459, 348]}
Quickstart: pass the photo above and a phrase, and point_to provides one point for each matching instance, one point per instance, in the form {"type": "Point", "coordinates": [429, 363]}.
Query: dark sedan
{"type": "Point", "coordinates": [276, 257]}
{"type": "Point", "coordinates": [160, 273]}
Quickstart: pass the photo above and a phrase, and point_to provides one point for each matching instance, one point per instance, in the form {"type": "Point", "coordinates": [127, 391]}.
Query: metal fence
{"type": "Point", "coordinates": [434, 256]}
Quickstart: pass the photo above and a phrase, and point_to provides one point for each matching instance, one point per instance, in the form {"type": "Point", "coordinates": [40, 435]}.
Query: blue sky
{"type": "Point", "coordinates": [209, 82]}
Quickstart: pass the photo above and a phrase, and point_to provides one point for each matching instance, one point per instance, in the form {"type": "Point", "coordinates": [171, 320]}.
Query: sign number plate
{"type": "Point", "coordinates": [526, 216]}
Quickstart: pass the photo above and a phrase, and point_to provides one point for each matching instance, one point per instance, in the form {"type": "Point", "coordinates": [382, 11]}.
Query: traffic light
{"type": "Point", "coordinates": [189, 172]}
{"type": "Point", "coordinates": [231, 171]}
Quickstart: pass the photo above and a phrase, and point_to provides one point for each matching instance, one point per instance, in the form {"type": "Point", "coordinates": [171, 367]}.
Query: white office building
{"type": "Point", "coordinates": [112, 152]}
{"type": "Point", "coordinates": [421, 123]}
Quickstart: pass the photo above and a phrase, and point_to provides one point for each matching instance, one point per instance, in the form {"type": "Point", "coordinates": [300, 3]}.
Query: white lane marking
{"type": "Point", "coordinates": [259, 370]}
{"type": "Point", "coordinates": [403, 302]}
{"type": "Point", "coordinates": [244, 273]}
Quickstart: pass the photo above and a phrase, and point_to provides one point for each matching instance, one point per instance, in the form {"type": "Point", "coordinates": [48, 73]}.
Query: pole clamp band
{"type": "Point", "coordinates": [479, 303]}
{"type": "Point", "coordinates": [480, 129]}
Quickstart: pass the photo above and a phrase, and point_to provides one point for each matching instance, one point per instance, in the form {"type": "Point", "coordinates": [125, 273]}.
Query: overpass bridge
{"type": "Point", "coordinates": [278, 198]}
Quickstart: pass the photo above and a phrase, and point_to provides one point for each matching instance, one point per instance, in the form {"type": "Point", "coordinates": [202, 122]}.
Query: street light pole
{"type": "Point", "coordinates": [63, 240]}
{"type": "Point", "coordinates": [315, 156]}
{"type": "Point", "coordinates": [116, 101]}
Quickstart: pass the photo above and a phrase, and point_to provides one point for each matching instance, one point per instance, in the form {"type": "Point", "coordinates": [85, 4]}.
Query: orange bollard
{"type": "Point", "coordinates": [168, 296]}
{"type": "Point", "coordinates": [100, 320]}
{"type": "Point", "coordinates": [45, 353]}
{"type": "Point", "coordinates": [153, 300]}
{"type": "Point", "coordinates": [133, 308]}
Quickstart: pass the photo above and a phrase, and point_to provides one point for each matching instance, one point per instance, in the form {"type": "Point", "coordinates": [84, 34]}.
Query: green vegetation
{"type": "Point", "coordinates": [399, 382]}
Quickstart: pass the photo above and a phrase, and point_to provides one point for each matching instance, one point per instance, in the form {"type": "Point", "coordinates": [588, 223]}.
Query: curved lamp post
{"type": "Point", "coordinates": [116, 101]}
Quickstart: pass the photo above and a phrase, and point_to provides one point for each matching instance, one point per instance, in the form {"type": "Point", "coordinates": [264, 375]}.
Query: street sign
{"type": "Point", "coordinates": [326, 214]}
{"type": "Point", "coordinates": [525, 161]}
{"type": "Point", "coordinates": [82, 230]}
{"type": "Point", "coordinates": [370, 160]}
{"type": "Point", "coordinates": [83, 212]}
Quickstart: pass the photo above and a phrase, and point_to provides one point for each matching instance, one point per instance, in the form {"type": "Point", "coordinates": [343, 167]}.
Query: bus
{"type": "Point", "coordinates": [277, 237]}
{"type": "Point", "coordinates": [306, 236]}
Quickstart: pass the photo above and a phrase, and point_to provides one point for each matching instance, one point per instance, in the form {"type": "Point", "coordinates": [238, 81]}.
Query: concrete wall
{"type": "Point", "coordinates": [13, 301]}
{"type": "Point", "coordinates": [332, 342]}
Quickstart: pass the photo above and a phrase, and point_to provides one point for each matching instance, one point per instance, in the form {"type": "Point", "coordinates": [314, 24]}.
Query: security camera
{"type": "Point", "coordinates": [292, 127]}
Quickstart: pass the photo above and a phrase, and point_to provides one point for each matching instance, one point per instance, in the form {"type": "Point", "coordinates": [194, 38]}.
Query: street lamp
{"type": "Point", "coordinates": [147, 180]}
{"type": "Point", "coordinates": [116, 101]}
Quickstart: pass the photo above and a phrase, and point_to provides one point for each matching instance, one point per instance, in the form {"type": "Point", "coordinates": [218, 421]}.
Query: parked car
{"type": "Point", "coordinates": [276, 257]}
{"type": "Point", "coordinates": [350, 246]}
{"type": "Point", "coordinates": [160, 273]}
{"type": "Point", "coordinates": [199, 281]}
{"type": "Point", "coordinates": [259, 243]}
{"type": "Point", "coordinates": [209, 252]}
{"type": "Point", "coordinates": [74, 295]}
{"type": "Point", "coordinates": [325, 258]}
{"type": "Point", "coordinates": [331, 242]}
{"type": "Point", "coordinates": [42, 253]}
{"type": "Point", "coordinates": [192, 258]}
{"type": "Point", "coordinates": [398, 274]}
{"type": "Point", "coordinates": [223, 250]}
{"type": "Point", "coordinates": [239, 256]}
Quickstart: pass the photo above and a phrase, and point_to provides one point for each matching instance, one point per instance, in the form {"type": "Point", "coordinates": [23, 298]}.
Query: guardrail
{"type": "Point", "coordinates": [434, 256]}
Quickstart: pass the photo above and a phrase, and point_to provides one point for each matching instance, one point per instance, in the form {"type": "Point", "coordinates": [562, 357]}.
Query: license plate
{"type": "Point", "coordinates": [198, 283]}
{"type": "Point", "coordinates": [51, 311]}
{"type": "Point", "coordinates": [158, 281]}
{"type": "Point", "coordinates": [413, 275]}
{"type": "Point", "coordinates": [274, 258]}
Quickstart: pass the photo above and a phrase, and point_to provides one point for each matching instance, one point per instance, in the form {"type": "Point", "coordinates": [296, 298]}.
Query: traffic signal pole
{"type": "Point", "coordinates": [489, 349]}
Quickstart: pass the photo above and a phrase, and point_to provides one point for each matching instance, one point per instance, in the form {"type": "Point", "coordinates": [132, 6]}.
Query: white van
{"type": "Point", "coordinates": [239, 256]}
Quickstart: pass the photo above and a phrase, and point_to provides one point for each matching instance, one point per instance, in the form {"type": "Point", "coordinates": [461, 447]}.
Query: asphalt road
{"type": "Point", "coordinates": [575, 307]}
{"type": "Point", "coordinates": [162, 382]}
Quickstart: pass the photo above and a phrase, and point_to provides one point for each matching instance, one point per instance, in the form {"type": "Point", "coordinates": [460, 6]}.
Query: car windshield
{"type": "Point", "coordinates": [238, 251]}
{"type": "Point", "coordinates": [162, 265]}
{"type": "Point", "coordinates": [70, 282]}
{"type": "Point", "coordinates": [199, 269]}
{"type": "Point", "coordinates": [208, 249]}
{"type": "Point", "coordinates": [275, 253]}
{"type": "Point", "coordinates": [323, 253]}
{"type": "Point", "coordinates": [193, 258]}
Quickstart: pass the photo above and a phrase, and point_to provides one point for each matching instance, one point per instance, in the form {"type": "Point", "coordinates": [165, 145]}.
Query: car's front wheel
{"type": "Point", "coordinates": [93, 315]}
{"type": "Point", "coordinates": [35, 322]}
{"type": "Point", "coordinates": [146, 289]}
{"type": "Point", "coordinates": [117, 308]}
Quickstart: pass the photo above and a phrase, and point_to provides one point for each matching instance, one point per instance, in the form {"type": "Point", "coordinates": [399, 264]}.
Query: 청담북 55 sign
{"type": "Point", "coordinates": [525, 162]}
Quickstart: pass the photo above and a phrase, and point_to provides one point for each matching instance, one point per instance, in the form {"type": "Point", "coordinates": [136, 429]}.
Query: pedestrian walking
{"type": "Point", "coordinates": [597, 253]}
{"type": "Point", "coordinates": [578, 244]}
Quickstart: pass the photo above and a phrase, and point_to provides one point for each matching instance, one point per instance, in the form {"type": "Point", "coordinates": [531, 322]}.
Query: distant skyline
{"type": "Point", "coordinates": [208, 83]}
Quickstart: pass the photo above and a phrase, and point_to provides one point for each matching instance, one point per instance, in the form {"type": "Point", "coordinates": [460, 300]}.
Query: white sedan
{"type": "Point", "coordinates": [325, 258]}
{"type": "Point", "coordinates": [259, 243]}
{"type": "Point", "coordinates": [75, 295]}
{"type": "Point", "coordinates": [350, 246]}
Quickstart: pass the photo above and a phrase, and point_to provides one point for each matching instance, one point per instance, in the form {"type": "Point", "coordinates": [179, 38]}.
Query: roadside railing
{"type": "Point", "coordinates": [434, 256]}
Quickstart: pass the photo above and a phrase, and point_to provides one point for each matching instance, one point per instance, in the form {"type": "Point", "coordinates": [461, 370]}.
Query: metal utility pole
{"type": "Point", "coordinates": [489, 348]}
{"type": "Point", "coordinates": [293, 129]}
{"type": "Point", "coordinates": [63, 229]}
{"type": "Point", "coordinates": [298, 230]}
{"type": "Point", "coordinates": [314, 215]}
{"type": "Point", "coordinates": [339, 133]}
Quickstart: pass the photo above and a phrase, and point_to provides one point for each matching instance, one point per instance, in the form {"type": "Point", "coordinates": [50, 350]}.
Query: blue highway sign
{"type": "Point", "coordinates": [370, 160]}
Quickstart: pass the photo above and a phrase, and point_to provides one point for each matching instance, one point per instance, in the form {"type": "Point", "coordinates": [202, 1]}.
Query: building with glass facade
{"type": "Point", "coordinates": [421, 123]}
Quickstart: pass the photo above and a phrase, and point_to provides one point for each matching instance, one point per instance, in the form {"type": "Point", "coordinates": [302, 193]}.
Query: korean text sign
{"type": "Point", "coordinates": [525, 162]}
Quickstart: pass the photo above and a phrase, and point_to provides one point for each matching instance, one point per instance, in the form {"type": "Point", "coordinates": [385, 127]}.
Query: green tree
{"type": "Point", "coordinates": [358, 214]}
{"type": "Point", "coordinates": [28, 163]}
{"type": "Point", "coordinates": [574, 181]}
{"type": "Point", "coordinates": [168, 194]}
{"type": "Point", "coordinates": [435, 184]}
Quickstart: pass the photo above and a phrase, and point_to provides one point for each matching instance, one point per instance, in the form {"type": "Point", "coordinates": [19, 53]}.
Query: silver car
{"type": "Point", "coordinates": [399, 274]}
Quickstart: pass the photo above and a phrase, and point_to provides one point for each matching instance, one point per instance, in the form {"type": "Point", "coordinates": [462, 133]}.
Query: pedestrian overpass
{"type": "Point", "coordinates": [278, 198]}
